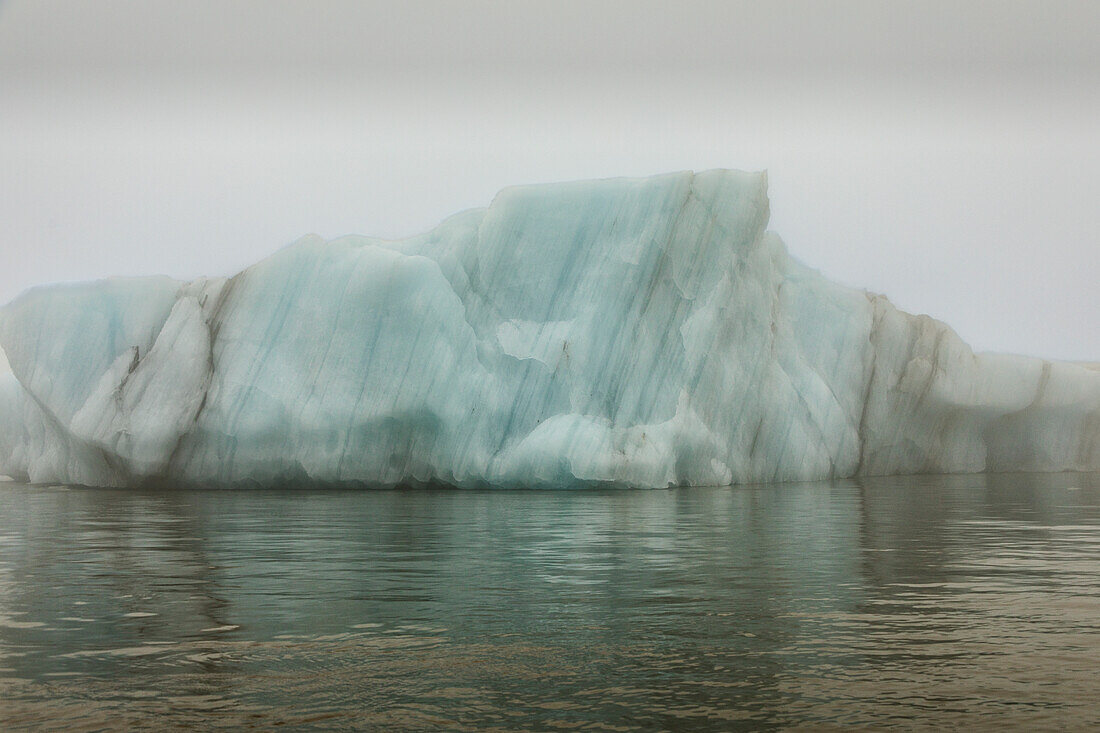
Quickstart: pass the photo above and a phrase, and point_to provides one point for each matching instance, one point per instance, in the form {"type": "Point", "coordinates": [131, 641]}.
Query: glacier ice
{"type": "Point", "coordinates": [632, 332]}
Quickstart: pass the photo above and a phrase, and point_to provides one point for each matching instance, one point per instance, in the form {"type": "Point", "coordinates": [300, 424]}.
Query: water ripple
{"type": "Point", "coordinates": [889, 603]}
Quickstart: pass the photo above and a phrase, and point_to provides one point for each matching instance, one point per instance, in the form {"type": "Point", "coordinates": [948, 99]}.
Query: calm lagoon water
{"type": "Point", "coordinates": [917, 602]}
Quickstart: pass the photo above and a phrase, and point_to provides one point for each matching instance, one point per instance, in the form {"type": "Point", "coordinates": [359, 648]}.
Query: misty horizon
{"type": "Point", "coordinates": [950, 166]}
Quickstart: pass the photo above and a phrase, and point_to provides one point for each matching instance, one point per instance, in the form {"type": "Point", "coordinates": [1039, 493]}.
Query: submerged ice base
{"type": "Point", "coordinates": [639, 333]}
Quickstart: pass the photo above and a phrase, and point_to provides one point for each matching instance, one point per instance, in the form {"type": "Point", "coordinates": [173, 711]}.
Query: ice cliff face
{"type": "Point", "coordinates": [632, 332]}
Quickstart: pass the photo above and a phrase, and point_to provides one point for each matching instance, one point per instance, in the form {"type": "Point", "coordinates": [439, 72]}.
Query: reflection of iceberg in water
{"type": "Point", "coordinates": [401, 597]}
{"type": "Point", "coordinates": [776, 605]}
{"type": "Point", "coordinates": [638, 333]}
{"type": "Point", "coordinates": [128, 591]}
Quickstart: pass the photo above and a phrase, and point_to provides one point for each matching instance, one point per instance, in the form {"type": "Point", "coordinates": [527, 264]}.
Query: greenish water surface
{"type": "Point", "coordinates": [911, 602]}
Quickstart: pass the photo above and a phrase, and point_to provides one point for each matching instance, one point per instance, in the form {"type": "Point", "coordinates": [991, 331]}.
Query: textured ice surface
{"type": "Point", "coordinates": [633, 332]}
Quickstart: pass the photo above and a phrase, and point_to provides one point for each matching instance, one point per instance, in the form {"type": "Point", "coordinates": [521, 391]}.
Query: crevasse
{"type": "Point", "coordinates": [632, 332]}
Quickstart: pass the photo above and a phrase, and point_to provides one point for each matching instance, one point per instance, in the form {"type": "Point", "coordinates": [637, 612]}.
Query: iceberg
{"type": "Point", "coordinates": [626, 332]}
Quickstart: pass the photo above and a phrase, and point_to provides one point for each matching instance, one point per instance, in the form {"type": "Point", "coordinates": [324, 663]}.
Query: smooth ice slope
{"type": "Point", "coordinates": [632, 332]}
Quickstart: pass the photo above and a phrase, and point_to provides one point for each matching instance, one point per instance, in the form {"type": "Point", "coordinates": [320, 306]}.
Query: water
{"type": "Point", "coordinates": [909, 602]}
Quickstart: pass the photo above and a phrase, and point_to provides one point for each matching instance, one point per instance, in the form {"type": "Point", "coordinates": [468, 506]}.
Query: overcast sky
{"type": "Point", "coordinates": [944, 153]}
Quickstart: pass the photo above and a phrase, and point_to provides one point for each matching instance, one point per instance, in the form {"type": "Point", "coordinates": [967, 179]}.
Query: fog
{"type": "Point", "coordinates": [946, 156]}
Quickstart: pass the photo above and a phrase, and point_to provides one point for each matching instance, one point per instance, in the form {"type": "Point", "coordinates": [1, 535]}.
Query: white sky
{"type": "Point", "coordinates": [944, 153]}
